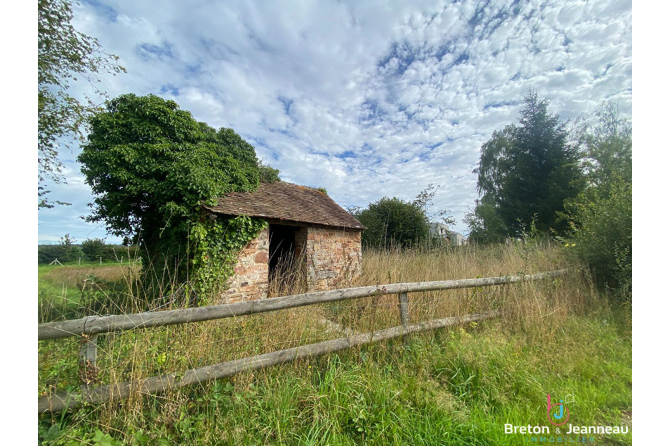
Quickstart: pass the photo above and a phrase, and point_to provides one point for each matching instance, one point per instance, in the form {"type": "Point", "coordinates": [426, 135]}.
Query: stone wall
{"type": "Point", "coordinates": [301, 241]}
{"type": "Point", "coordinates": [333, 257]}
{"type": "Point", "coordinates": [250, 279]}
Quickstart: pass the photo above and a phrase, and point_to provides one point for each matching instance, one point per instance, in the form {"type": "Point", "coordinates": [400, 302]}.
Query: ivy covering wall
{"type": "Point", "coordinates": [216, 245]}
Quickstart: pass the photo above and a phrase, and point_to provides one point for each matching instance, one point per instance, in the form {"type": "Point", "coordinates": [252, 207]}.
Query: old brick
{"type": "Point", "coordinates": [261, 257]}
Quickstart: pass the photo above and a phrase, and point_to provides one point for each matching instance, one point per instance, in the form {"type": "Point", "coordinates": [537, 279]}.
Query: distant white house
{"type": "Point", "coordinates": [458, 239]}
{"type": "Point", "coordinates": [440, 230]}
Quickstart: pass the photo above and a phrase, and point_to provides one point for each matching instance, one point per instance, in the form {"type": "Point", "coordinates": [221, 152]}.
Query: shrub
{"type": "Point", "coordinates": [93, 249]}
{"type": "Point", "coordinates": [603, 236]}
{"type": "Point", "coordinates": [602, 216]}
{"type": "Point", "coordinates": [393, 223]}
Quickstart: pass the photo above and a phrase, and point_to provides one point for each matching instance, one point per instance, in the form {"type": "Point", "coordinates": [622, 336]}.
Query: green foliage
{"type": "Point", "coordinates": [48, 253]}
{"type": "Point", "coordinates": [486, 225]}
{"type": "Point", "coordinates": [149, 162]}
{"type": "Point", "coordinates": [525, 172]}
{"type": "Point", "coordinates": [96, 250]}
{"type": "Point", "coordinates": [393, 223]}
{"type": "Point", "coordinates": [607, 144]}
{"type": "Point", "coordinates": [601, 216]}
{"type": "Point", "coordinates": [267, 174]}
{"type": "Point", "coordinates": [603, 235]}
{"type": "Point", "coordinates": [152, 166]}
{"type": "Point", "coordinates": [63, 55]}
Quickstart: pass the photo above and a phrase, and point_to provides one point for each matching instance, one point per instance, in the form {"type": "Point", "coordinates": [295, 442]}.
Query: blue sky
{"type": "Point", "coordinates": [367, 99]}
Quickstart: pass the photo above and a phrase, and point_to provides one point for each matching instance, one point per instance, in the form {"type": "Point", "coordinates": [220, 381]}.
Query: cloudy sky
{"type": "Point", "coordinates": [367, 99]}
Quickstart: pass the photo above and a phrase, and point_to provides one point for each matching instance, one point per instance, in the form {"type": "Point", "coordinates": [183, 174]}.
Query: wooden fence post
{"type": "Point", "coordinates": [88, 353]}
{"type": "Point", "coordinates": [404, 314]}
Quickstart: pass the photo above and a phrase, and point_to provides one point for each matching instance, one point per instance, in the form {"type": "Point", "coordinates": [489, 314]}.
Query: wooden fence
{"type": "Point", "coordinates": [88, 328]}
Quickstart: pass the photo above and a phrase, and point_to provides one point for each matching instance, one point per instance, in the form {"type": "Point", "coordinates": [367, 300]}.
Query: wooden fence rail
{"type": "Point", "coordinates": [95, 324]}
{"type": "Point", "coordinates": [89, 327]}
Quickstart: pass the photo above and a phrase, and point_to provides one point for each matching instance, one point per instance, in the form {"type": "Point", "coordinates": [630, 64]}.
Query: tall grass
{"type": "Point", "coordinates": [451, 386]}
{"type": "Point", "coordinates": [71, 291]}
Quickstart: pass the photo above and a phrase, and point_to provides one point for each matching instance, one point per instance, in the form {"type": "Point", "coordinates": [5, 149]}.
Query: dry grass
{"type": "Point", "coordinates": [137, 354]}
{"type": "Point", "coordinates": [527, 303]}
{"type": "Point", "coordinates": [459, 263]}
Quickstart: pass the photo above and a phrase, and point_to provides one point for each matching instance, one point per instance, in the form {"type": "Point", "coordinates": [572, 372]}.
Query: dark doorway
{"type": "Point", "coordinates": [282, 250]}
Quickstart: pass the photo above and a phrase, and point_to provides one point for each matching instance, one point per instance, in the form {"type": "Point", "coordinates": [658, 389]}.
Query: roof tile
{"type": "Point", "coordinates": [287, 201]}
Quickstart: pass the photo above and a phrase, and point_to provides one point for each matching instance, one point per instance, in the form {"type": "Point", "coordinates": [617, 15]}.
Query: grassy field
{"type": "Point", "coordinates": [450, 386]}
{"type": "Point", "coordinates": [73, 290]}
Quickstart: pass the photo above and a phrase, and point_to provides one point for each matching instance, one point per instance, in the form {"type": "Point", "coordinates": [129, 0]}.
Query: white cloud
{"type": "Point", "coordinates": [350, 95]}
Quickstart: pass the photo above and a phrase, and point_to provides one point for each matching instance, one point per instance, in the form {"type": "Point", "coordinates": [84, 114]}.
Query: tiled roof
{"type": "Point", "coordinates": [288, 202]}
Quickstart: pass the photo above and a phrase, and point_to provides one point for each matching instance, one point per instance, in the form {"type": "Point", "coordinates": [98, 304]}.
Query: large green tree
{"type": "Point", "coordinates": [64, 55]}
{"type": "Point", "coordinates": [393, 223]}
{"type": "Point", "coordinates": [525, 174]}
{"type": "Point", "coordinates": [601, 216]}
{"type": "Point", "coordinates": [151, 166]}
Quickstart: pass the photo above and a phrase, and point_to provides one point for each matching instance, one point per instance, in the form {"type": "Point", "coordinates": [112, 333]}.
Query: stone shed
{"type": "Point", "coordinates": [306, 228]}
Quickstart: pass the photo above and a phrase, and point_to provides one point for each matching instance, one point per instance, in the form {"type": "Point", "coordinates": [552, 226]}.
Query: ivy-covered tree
{"type": "Point", "coordinates": [525, 174]}
{"type": "Point", "coordinates": [151, 167]}
{"type": "Point", "coordinates": [64, 55]}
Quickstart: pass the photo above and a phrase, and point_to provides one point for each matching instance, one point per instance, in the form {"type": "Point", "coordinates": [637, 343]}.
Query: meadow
{"type": "Point", "coordinates": [459, 385]}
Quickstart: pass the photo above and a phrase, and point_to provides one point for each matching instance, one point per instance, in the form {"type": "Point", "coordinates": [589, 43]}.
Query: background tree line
{"type": "Point", "coordinates": [90, 250]}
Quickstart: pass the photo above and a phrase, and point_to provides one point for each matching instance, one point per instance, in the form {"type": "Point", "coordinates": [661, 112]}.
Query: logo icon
{"type": "Point", "coordinates": [555, 416]}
